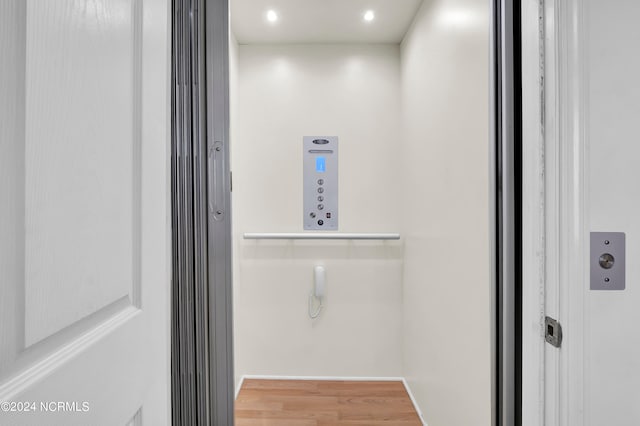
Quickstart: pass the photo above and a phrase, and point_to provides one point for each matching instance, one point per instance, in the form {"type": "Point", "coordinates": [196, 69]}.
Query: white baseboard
{"type": "Point", "coordinates": [239, 387]}
{"type": "Point", "coordinates": [413, 400]}
{"type": "Point", "coordinates": [345, 378]}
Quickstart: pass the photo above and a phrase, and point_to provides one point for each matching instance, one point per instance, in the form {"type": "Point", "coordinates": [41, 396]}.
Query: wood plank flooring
{"type": "Point", "coordinates": [323, 403]}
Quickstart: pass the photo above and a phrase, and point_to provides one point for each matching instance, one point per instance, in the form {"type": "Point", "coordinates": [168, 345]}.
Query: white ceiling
{"type": "Point", "coordinates": [321, 21]}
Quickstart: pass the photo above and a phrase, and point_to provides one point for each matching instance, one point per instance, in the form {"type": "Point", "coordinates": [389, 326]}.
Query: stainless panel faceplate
{"type": "Point", "coordinates": [607, 261]}
{"type": "Point", "coordinates": [320, 182]}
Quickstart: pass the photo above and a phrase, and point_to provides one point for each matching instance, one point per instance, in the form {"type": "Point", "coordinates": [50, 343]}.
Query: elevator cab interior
{"type": "Point", "coordinates": [359, 136]}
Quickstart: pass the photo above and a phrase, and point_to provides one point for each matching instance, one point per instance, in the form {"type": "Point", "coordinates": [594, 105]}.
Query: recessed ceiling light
{"type": "Point", "coordinates": [369, 15]}
{"type": "Point", "coordinates": [272, 16]}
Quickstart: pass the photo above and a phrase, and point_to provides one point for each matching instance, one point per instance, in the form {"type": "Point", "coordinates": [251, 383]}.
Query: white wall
{"type": "Point", "coordinates": [284, 93]}
{"type": "Point", "coordinates": [445, 212]}
{"type": "Point", "coordinates": [611, 106]}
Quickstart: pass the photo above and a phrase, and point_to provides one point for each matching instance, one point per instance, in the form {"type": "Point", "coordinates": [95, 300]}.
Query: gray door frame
{"type": "Point", "coordinates": [219, 214]}
{"type": "Point", "coordinates": [202, 329]}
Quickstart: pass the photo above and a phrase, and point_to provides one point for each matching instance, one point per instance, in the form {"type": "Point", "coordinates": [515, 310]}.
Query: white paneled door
{"type": "Point", "coordinates": [84, 212]}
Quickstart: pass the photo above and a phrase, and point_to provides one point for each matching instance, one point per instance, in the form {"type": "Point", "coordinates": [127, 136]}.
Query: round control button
{"type": "Point", "coordinates": [320, 181]}
{"type": "Point", "coordinates": [320, 198]}
{"type": "Point", "coordinates": [320, 190]}
{"type": "Point", "coordinates": [312, 214]}
{"type": "Point", "coordinates": [321, 222]}
{"type": "Point", "coordinates": [320, 207]}
{"type": "Point", "coordinates": [606, 261]}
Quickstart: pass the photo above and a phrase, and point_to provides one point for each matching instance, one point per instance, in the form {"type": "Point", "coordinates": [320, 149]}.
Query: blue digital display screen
{"type": "Point", "coordinates": [320, 165]}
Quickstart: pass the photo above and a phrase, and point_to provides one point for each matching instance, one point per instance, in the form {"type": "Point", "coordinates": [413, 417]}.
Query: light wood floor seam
{"type": "Point", "coordinates": [323, 403]}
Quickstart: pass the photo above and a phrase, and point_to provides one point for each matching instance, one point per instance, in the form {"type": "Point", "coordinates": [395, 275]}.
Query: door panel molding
{"type": "Point", "coordinates": [13, 18]}
{"type": "Point", "coordinates": [26, 350]}
{"type": "Point", "coordinates": [138, 28]}
{"type": "Point", "coordinates": [48, 347]}
{"type": "Point", "coordinates": [67, 205]}
{"type": "Point", "coordinates": [137, 419]}
{"type": "Point", "coordinates": [45, 365]}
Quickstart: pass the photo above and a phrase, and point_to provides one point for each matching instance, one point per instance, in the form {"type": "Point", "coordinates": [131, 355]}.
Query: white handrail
{"type": "Point", "coordinates": [319, 236]}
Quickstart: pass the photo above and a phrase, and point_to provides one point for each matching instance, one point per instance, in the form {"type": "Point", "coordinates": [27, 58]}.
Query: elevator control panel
{"type": "Point", "coordinates": [320, 183]}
